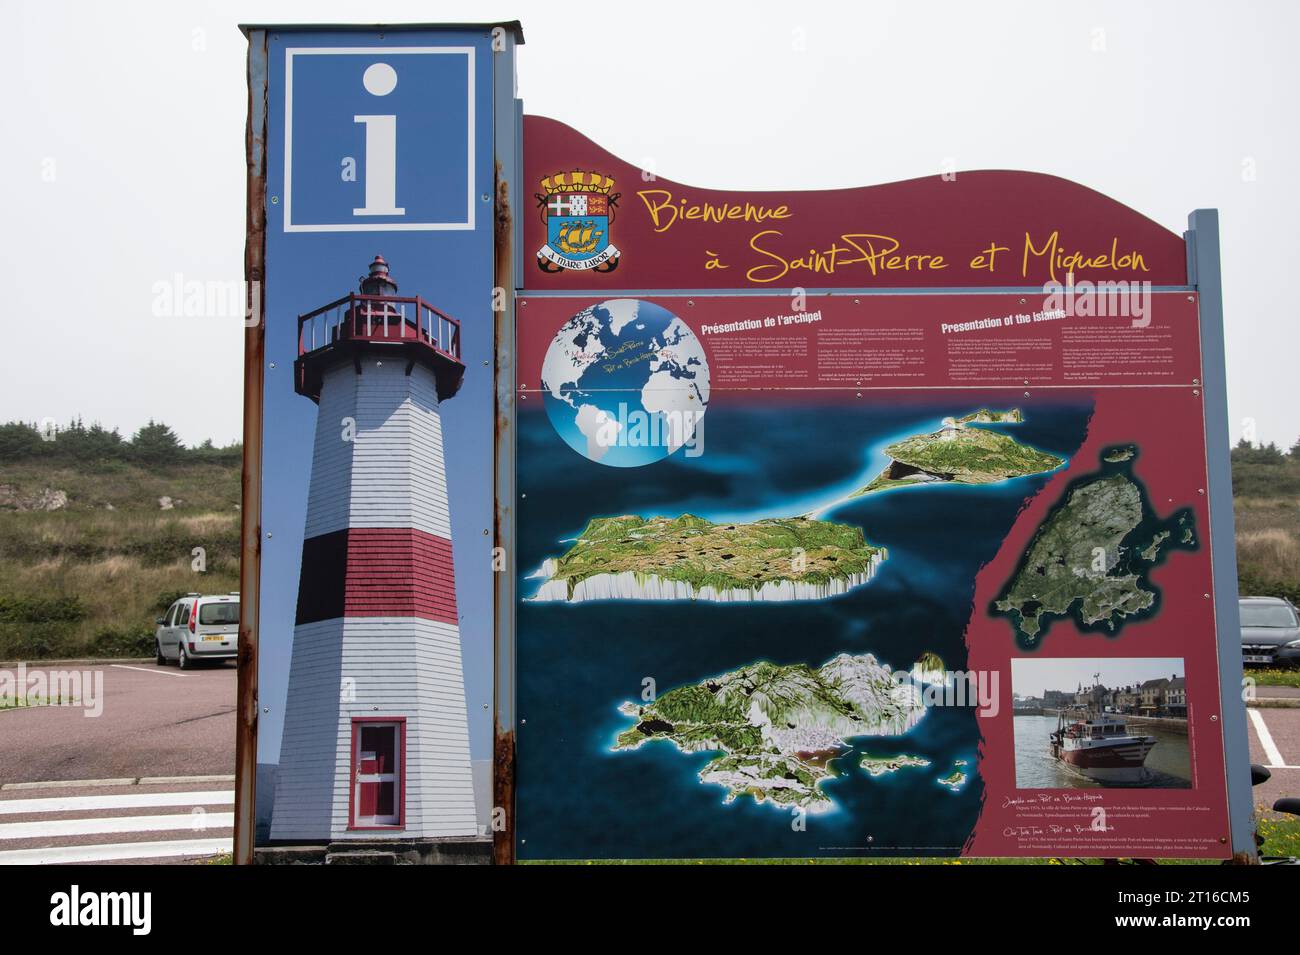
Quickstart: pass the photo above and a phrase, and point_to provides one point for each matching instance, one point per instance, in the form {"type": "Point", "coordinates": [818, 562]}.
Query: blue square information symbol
{"type": "Point", "coordinates": [378, 139]}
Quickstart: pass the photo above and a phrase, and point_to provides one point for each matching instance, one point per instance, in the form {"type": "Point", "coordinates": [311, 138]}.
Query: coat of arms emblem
{"type": "Point", "coordinates": [577, 209]}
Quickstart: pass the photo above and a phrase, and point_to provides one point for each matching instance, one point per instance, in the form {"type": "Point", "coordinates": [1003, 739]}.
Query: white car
{"type": "Point", "coordinates": [198, 627]}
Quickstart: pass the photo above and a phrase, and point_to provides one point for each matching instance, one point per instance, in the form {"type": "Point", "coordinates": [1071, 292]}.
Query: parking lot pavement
{"type": "Point", "coordinates": [1275, 743]}
{"type": "Point", "coordinates": [152, 721]}
{"type": "Point", "coordinates": [1278, 692]}
{"type": "Point", "coordinates": [154, 823]}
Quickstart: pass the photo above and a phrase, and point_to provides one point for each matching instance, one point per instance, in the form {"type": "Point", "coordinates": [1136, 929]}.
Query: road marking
{"type": "Point", "coordinates": [117, 824]}
{"type": "Point", "coordinates": [117, 851]}
{"type": "Point", "coordinates": [159, 670]}
{"type": "Point", "coordinates": [1275, 760]}
{"type": "Point", "coordinates": [213, 797]}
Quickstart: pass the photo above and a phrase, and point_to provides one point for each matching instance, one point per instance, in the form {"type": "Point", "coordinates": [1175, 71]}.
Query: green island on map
{"type": "Point", "coordinates": [776, 559]}
{"type": "Point", "coordinates": [690, 558]}
{"type": "Point", "coordinates": [779, 727]}
{"type": "Point", "coordinates": [1090, 557]}
{"type": "Point", "coordinates": [961, 454]}
{"type": "Point", "coordinates": [955, 779]}
{"type": "Point", "coordinates": [880, 765]}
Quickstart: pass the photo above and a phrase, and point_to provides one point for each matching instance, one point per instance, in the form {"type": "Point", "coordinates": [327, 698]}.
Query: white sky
{"type": "Point", "coordinates": [123, 158]}
{"type": "Point", "coordinates": [1033, 677]}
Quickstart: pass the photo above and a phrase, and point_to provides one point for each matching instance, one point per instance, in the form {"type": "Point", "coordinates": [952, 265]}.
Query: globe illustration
{"type": "Point", "coordinates": [626, 383]}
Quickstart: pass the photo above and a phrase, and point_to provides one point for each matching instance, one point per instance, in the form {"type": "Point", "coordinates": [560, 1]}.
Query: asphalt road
{"type": "Point", "coordinates": [156, 721]}
{"type": "Point", "coordinates": [1275, 742]}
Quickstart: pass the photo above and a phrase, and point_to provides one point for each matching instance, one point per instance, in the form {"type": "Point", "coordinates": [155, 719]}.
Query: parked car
{"type": "Point", "coordinates": [1270, 632]}
{"type": "Point", "coordinates": [198, 627]}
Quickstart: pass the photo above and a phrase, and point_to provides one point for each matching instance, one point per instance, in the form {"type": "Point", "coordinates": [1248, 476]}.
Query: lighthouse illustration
{"type": "Point", "coordinates": [376, 739]}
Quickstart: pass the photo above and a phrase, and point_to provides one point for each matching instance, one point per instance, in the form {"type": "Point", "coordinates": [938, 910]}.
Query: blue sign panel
{"type": "Point", "coordinates": [375, 626]}
{"type": "Point", "coordinates": [367, 148]}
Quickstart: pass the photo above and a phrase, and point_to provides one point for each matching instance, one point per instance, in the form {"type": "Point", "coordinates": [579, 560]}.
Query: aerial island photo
{"type": "Point", "coordinates": [690, 558]}
{"type": "Point", "coordinates": [960, 453]}
{"type": "Point", "coordinates": [778, 728]}
{"type": "Point", "coordinates": [1090, 557]}
{"type": "Point", "coordinates": [789, 558]}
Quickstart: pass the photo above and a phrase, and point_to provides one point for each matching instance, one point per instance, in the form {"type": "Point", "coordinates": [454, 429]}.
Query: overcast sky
{"type": "Point", "coordinates": [123, 164]}
{"type": "Point", "coordinates": [1033, 677]}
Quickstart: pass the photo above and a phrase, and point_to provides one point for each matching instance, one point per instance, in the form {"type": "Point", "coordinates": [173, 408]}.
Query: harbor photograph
{"type": "Point", "coordinates": [1087, 723]}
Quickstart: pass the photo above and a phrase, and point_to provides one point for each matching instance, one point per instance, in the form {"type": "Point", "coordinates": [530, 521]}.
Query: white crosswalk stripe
{"type": "Point", "coordinates": [119, 852]}
{"type": "Point", "coordinates": [126, 801]}
{"type": "Point", "coordinates": [214, 797]}
{"type": "Point", "coordinates": [115, 824]}
{"type": "Point", "coordinates": [72, 825]}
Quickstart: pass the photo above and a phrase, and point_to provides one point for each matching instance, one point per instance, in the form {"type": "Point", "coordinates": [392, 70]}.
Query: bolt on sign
{"type": "Point", "coordinates": [883, 521]}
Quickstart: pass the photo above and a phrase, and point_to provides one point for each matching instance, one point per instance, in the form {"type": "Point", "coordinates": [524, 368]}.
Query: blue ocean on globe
{"type": "Point", "coordinates": [625, 383]}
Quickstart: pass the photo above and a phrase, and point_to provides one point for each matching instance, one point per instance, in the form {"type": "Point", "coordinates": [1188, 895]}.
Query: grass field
{"type": "Point", "coordinates": [1268, 547]}
{"type": "Point", "coordinates": [89, 578]}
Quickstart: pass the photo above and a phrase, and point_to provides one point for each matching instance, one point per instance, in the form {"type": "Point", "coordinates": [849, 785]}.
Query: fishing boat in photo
{"type": "Point", "coordinates": [1099, 746]}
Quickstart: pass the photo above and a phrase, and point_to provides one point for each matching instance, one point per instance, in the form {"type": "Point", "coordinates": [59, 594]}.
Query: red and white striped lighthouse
{"type": "Point", "coordinates": [376, 738]}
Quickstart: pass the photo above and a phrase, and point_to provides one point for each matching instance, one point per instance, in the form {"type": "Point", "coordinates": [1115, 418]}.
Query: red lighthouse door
{"type": "Point", "coordinates": [377, 775]}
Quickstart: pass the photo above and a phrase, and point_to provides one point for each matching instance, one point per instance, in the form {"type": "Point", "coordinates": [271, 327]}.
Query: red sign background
{"type": "Point", "coordinates": [981, 229]}
{"type": "Point", "coordinates": [1144, 381]}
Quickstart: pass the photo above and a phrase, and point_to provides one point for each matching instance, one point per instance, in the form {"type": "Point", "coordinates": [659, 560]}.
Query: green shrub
{"type": "Point", "coordinates": [122, 642]}
{"type": "Point", "coordinates": [167, 598]}
{"type": "Point", "coordinates": [1255, 584]}
{"type": "Point", "coordinates": [16, 608]}
{"type": "Point", "coordinates": [39, 641]}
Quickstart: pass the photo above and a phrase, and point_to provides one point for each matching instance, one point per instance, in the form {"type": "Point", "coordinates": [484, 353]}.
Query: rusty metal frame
{"type": "Point", "coordinates": [508, 148]}
{"type": "Point", "coordinates": [250, 527]}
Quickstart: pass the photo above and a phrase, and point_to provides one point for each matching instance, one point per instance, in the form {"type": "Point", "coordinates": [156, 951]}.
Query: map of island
{"type": "Point", "coordinates": [778, 727]}
{"type": "Point", "coordinates": [961, 454]}
{"type": "Point", "coordinates": [880, 765]}
{"type": "Point", "coordinates": [1090, 557]}
{"type": "Point", "coordinates": [690, 558]}
{"type": "Point", "coordinates": [956, 779]}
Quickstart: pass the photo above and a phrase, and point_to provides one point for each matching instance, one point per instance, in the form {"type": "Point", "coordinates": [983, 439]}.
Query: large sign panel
{"type": "Point", "coordinates": [375, 622]}
{"type": "Point", "coordinates": [845, 572]}
{"type": "Point", "coordinates": [877, 521]}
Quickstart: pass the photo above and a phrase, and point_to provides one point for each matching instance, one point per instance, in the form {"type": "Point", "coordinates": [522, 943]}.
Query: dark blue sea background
{"type": "Point", "coordinates": [577, 663]}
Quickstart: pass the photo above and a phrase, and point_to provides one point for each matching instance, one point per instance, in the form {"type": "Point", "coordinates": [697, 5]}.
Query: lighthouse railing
{"type": "Point", "coordinates": [358, 317]}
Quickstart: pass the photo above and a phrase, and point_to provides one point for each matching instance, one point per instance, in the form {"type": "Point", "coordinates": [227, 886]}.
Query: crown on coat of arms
{"type": "Point", "coordinates": [577, 181]}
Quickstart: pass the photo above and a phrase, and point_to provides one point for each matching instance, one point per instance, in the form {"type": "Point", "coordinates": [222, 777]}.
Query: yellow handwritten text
{"type": "Point", "coordinates": [987, 258]}
{"type": "Point", "coordinates": [665, 211]}
{"type": "Point", "coordinates": [1059, 260]}
{"type": "Point", "coordinates": [878, 252]}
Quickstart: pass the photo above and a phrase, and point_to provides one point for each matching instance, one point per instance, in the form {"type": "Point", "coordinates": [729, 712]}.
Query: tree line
{"type": "Point", "coordinates": [1247, 453]}
{"type": "Point", "coordinates": [154, 443]}
{"type": "Point", "coordinates": [1265, 470]}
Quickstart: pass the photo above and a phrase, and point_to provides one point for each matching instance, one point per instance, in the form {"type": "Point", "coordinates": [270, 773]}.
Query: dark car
{"type": "Point", "coordinates": [1270, 632]}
